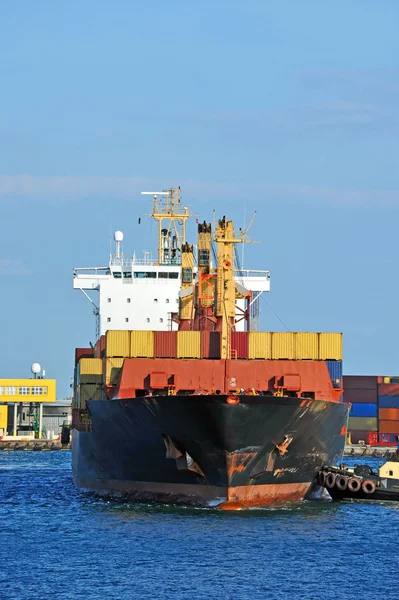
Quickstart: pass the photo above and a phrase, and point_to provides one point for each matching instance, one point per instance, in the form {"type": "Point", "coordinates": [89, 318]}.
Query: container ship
{"type": "Point", "coordinates": [182, 399]}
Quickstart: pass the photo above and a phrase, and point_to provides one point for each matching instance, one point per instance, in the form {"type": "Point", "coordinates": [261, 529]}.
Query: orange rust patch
{"type": "Point", "coordinates": [267, 494]}
{"type": "Point", "coordinates": [237, 462]}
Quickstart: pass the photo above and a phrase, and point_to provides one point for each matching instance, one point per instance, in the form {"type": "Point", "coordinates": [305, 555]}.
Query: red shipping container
{"type": "Point", "coordinates": [388, 414]}
{"type": "Point", "coordinates": [388, 389]}
{"type": "Point", "coordinates": [389, 427]}
{"type": "Point", "coordinates": [239, 344]}
{"type": "Point", "coordinates": [360, 382]}
{"type": "Point", "coordinates": [165, 344]}
{"type": "Point", "coordinates": [83, 353]}
{"type": "Point", "coordinates": [210, 344]}
{"type": "Point", "coordinates": [363, 396]}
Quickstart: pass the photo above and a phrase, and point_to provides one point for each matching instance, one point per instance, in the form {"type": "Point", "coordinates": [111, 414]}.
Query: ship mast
{"type": "Point", "coordinates": [171, 218]}
{"type": "Point", "coordinates": [226, 287]}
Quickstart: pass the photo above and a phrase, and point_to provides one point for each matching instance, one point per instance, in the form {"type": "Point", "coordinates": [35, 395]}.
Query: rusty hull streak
{"type": "Point", "coordinates": [251, 496]}
{"type": "Point", "coordinates": [237, 462]}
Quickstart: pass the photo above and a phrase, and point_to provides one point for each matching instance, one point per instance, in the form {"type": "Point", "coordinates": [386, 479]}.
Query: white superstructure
{"type": "Point", "coordinates": [144, 294]}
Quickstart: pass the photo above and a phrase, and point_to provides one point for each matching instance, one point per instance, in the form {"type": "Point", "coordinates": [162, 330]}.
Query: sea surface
{"type": "Point", "coordinates": [59, 543]}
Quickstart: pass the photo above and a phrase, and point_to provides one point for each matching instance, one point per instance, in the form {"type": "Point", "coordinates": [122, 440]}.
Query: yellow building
{"type": "Point", "coordinates": [25, 391]}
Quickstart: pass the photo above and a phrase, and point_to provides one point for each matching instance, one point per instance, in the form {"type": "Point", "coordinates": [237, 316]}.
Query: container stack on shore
{"type": "Point", "coordinates": [374, 416]}
{"type": "Point", "coordinates": [388, 406]}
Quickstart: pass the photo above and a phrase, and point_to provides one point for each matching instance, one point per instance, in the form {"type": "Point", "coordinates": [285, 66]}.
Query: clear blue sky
{"type": "Point", "coordinates": [285, 107]}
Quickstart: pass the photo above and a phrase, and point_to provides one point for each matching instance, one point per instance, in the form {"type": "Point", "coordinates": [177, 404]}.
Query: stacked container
{"type": "Point", "coordinates": [388, 406]}
{"type": "Point", "coordinates": [361, 392]}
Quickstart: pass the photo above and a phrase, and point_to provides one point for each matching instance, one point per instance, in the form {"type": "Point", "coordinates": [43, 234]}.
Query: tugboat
{"type": "Point", "coordinates": [361, 482]}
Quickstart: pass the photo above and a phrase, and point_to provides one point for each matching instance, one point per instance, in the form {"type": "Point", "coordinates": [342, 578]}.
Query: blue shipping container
{"type": "Point", "coordinates": [363, 410]}
{"type": "Point", "coordinates": [386, 438]}
{"type": "Point", "coordinates": [335, 369]}
{"type": "Point", "coordinates": [388, 401]}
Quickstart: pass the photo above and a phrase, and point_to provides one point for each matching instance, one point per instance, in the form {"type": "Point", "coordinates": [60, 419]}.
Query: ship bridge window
{"type": "Point", "coordinates": [155, 299]}
{"type": "Point", "coordinates": [126, 319]}
{"type": "Point", "coordinates": [127, 274]}
{"type": "Point", "coordinates": [161, 320]}
{"type": "Point", "coordinates": [167, 300]}
{"type": "Point", "coordinates": [108, 319]}
{"type": "Point", "coordinates": [166, 275]}
{"type": "Point", "coordinates": [144, 274]}
{"type": "Point", "coordinates": [117, 274]}
{"type": "Point", "coordinates": [128, 300]}
{"type": "Point", "coordinates": [11, 390]}
{"type": "Point", "coordinates": [391, 473]}
{"type": "Point", "coordinates": [148, 319]}
{"type": "Point", "coordinates": [108, 299]}
{"type": "Point", "coordinates": [1, 390]}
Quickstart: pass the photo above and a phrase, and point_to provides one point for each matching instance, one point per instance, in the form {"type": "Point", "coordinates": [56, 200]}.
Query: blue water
{"type": "Point", "coordinates": [58, 543]}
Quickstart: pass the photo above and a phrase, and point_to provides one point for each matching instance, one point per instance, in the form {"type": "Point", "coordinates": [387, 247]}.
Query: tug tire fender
{"type": "Point", "coordinates": [354, 484]}
{"type": "Point", "coordinates": [321, 477]}
{"type": "Point", "coordinates": [341, 482]}
{"type": "Point", "coordinates": [368, 486]}
{"type": "Point", "coordinates": [330, 480]}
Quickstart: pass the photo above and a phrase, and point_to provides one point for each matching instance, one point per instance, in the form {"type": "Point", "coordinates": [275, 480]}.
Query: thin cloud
{"type": "Point", "coordinates": [78, 189]}
{"type": "Point", "coordinates": [11, 266]}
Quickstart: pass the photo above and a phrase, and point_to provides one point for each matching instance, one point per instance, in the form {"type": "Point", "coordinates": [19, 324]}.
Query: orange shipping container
{"type": "Point", "coordinates": [389, 427]}
{"type": "Point", "coordinates": [388, 414]}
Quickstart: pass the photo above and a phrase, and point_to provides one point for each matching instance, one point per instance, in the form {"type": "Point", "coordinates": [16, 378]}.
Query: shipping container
{"type": "Point", "coordinates": [392, 380]}
{"type": "Point", "coordinates": [89, 370]}
{"type": "Point", "coordinates": [330, 346]}
{"type": "Point", "coordinates": [388, 401]}
{"type": "Point", "coordinates": [389, 427]}
{"type": "Point", "coordinates": [388, 389]}
{"type": "Point", "coordinates": [335, 369]}
{"type": "Point", "coordinates": [306, 346]}
{"type": "Point", "coordinates": [283, 345]}
{"type": "Point", "coordinates": [142, 344]}
{"type": "Point", "coordinates": [388, 414]}
{"type": "Point", "coordinates": [357, 436]}
{"type": "Point", "coordinates": [360, 382]}
{"type": "Point", "coordinates": [210, 344]}
{"type": "Point", "coordinates": [87, 391]}
{"type": "Point", "coordinates": [188, 344]}
{"type": "Point", "coordinates": [239, 344]}
{"type": "Point", "coordinates": [357, 396]}
{"type": "Point", "coordinates": [364, 410]}
{"type": "Point", "coordinates": [117, 344]}
{"type": "Point", "coordinates": [363, 424]}
{"type": "Point", "coordinates": [90, 366]}
{"type": "Point", "coordinates": [83, 353]}
{"type": "Point", "coordinates": [387, 438]}
{"type": "Point", "coordinates": [260, 344]}
{"type": "Point", "coordinates": [3, 416]}
{"type": "Point", "coordinates": [112, 370]}
{"type": "Point", "coordinates": [165, 344]}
